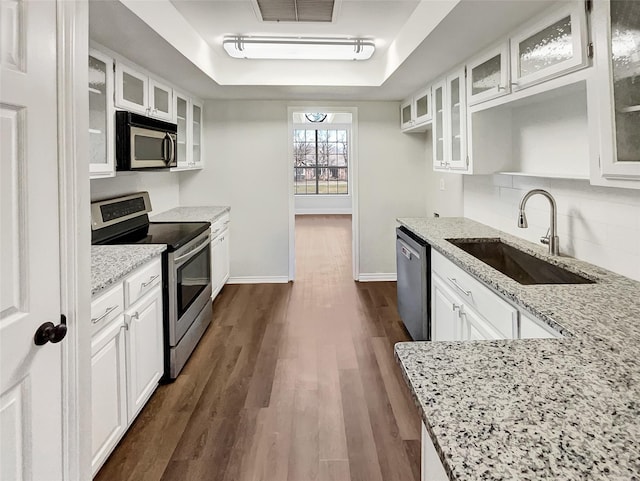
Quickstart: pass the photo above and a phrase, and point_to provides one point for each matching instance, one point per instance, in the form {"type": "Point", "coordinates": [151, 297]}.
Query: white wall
{"type": "Point", "coordinates": [391, 173]}
{"type": "Point", "coordinates": [163, 187]}
{"type": "Point", "coordinates": [443, 189]}
{"type": "Point", "coordinates": [600, 225]}
{"type": "Point", "coordinates": [246, 155]}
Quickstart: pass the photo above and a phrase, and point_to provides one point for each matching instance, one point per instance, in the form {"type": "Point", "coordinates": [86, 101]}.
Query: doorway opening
{"type": "Point", "coordinates": [323, 180]}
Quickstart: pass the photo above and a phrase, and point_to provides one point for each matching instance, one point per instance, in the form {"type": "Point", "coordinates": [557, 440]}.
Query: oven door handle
{"type": "Point", "coordinates": [190, 254]}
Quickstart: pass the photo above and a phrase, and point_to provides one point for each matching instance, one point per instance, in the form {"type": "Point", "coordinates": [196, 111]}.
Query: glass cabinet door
{"type": "Point", "coordinates": [551, 46]}
{"type": "Point", "coordinates": [100, 115]}
{"type": "Point", "coordinates": [160, 101]}
{"type": "Point", "coordinates": [422, 106]}
{"type": "Point", "coordinates": [438, 125]}
{"type": "Point", "coordinates": [406, 114]}
{"type": "Point", "coordinates": [132, 89]}
{"type": "Point", "coordinates": [489, 75]}
{"type": "Point", "coordinates": [624, 45]}
{"type": "Point", "coordinates": [617, 40]}
{"type": "Point", "coordinates": [197, 134]}
{"type": "Point", "coordinates": [182, 120]}
{"type": "Point", "coordinates": [457, 113]}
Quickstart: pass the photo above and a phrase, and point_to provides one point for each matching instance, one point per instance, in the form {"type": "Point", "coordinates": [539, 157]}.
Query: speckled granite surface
{"type": "Point", "coordinates": [192, 214]}
{"type": "Point", "coordinates": [538, 409]}
{"type": "Point", "coordinates": [111, 263]}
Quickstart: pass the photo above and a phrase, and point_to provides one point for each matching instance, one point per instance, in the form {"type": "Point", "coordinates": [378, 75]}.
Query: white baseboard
{"type": "Point", "coordinates": [337, 210]}
{"type": "Point", "coordinates": [258, 280]}
{"type": "Point", "coordinates": [378, 277]}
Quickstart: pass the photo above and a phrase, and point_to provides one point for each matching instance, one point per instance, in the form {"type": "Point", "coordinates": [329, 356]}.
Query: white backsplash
{"type": "Point", "coordinates": [600, 225]}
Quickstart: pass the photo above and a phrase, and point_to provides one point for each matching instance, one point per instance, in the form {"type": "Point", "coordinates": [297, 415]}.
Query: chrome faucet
{"type": "Point", "coordinates": [551, 239]}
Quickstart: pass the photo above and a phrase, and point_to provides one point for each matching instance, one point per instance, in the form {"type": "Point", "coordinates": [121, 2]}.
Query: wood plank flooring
{"type": "Point", "coordinates": [291, 382]}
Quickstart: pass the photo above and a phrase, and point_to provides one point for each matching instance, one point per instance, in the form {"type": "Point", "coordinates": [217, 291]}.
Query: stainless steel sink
{"type": "Point", "coordinates": [520, 266]}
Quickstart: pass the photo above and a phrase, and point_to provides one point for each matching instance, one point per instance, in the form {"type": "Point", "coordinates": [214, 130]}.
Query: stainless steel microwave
{"type": "Point", "coordinates": [144, 143]}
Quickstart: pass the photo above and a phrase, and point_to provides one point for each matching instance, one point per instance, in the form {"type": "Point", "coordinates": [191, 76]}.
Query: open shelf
{"type": "Point", "coordinates": [95, 131]}
{"type": "Point", "coordinates": [96, 91]}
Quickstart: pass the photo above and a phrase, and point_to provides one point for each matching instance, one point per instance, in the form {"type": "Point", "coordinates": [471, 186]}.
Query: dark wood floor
{"type": "Point", "coordinates": [290, 382]}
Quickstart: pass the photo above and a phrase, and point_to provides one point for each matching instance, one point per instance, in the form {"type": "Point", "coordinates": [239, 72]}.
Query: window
{"type": "Point", "coordinates": [321, 156]}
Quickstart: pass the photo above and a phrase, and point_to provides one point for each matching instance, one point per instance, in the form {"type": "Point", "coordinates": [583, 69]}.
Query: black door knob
{"type": "Point", "coordinates": [48, 332]}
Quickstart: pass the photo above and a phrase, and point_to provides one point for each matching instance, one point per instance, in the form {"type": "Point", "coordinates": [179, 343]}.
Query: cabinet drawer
{"type": "Point", "coordinates": [219, 225]}
{"type": "Point", "coordinates": [501, 315]}
{"type": "Point", "coordinates": [106, 307]}
{"type": "Point", "coordinates": [142, 281]}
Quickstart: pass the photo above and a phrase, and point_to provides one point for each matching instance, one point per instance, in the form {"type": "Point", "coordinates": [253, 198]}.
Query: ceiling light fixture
{"type": "Point", "coordinates": [299, 48]}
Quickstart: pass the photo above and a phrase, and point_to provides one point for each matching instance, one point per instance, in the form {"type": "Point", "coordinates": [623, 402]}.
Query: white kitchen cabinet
{"type": "Point", "coordinates": [196, 133]}
{"type": "Point", "coordinates": [550, 46]}
{"type": "Point", "coordinates": [488, 74]}
{"type": "Point", "coordinates": [450, 123]}
{"type": "Point", "coordinates": [481, 313]}
{"type": "Point", "coordinates": [614, 103]}
{"type": "Point", "coordinates": [160, 100]}
{"type": "Point", "coordinates": [101, 116]}
{"type": "Point", "coordinates": [143, 349]}
{"type": "Point", "coordinates": [219, 254]}
{"type": "Point", "coordinates": [108, 391]}
{"type": "Point", "coordinates": [416, 112]}
{"type": "Point", "coordinates": [132, 89]}
{"type": "Point", "coordinates": [431, 466]}
{"type": "Point", "coordinates": [127, 357]}
{"type": "Point", "coordinates": [138, 92]}
{"type": "Point", "coordinates": [183, 121]}
{"type": "Point", "coordinates": [438, 125]}
{"type": "Point", "coordinates": [531, 328]}
{"type": "Point", "coordinates": [189, 131]}
{"type": "Point", "coordinates": [445, 312]}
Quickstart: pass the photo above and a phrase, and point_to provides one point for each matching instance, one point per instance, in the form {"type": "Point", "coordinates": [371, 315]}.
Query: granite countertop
{"type": "Point", "coordinates": [192, 214]}
{"type": "Point", "coordinates": [534, 409]}
{"type": "Point", "coordinates": [109, 263]}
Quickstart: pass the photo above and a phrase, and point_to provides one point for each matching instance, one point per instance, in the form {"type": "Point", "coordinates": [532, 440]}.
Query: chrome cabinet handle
{"type": "Point", "coordinates": [145, 284]}
{"type": "Point", "coordinates": [457, 286]}
{"type": "Point", "coordinates": [106, 313]}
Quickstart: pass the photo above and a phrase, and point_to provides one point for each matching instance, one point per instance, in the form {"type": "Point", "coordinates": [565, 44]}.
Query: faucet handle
{"type": "Point", "coordinates": [546, 239]}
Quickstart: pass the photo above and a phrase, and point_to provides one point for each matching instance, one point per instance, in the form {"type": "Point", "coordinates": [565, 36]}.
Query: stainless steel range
{"type": "Point", "coordinates": [186, 268]}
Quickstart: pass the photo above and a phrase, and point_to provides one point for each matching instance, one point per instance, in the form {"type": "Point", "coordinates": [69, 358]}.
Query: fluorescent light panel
{"type": "Point", "coordinates": [298, 48]}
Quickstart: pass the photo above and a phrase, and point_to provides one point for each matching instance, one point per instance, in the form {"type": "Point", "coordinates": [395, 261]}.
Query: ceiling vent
{"type": "Point", "coordinates": [296, 10]}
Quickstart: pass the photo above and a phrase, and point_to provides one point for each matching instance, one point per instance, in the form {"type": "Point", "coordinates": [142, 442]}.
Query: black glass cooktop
{"type": "Point", "coordinates": [173, 234]}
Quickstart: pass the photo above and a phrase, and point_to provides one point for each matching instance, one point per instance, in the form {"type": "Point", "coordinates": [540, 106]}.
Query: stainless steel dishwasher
{"type": "Point", "coordinates": [414, 268]}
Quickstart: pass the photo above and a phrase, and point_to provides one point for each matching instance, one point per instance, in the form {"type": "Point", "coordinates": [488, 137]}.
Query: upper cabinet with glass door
{"type": "Point", "coordinates": [488, 74]}
{"type": "Point", "coordinates": [188, 117]}
{"type": "Point", "coordinates": [138, 92]}
{"type": "Point", "coordinates": [101, 116]}
{"type": "Point", "coordinates": [614, 107]}
{"type": "Point", "coordinates": [196, 125]}
{"type": "Point", "coordinates": [415, 112]}
{"type": "Point", "coordinates": [550, 46]}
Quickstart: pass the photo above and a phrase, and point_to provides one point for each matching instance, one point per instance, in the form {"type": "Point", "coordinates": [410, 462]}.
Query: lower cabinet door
{"type": "Point", "coordinates": [144, 349]}
{"type": "Point", "coordinates": [432, 468]}
{"type": "Point", "coordinates": [108, 392]}
{"type": "Point", "coordinates": [225, 258]}
{"type": "Point", "coordinates": [476, 327]}
{"type": "Point", "coordinates": [445, 309]}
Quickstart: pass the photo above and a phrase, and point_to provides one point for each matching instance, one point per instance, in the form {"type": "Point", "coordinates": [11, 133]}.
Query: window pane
{"type": "Point", "coordinates": [320, 160]}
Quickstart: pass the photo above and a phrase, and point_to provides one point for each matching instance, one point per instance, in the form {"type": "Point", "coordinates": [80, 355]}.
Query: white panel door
{"type": "Point", "coordinates": [30, 375]}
